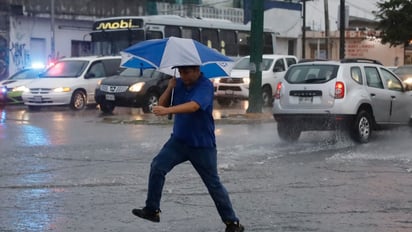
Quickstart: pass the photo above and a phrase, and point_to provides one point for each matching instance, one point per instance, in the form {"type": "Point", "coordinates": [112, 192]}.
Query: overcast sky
{"type": "Point", "coordinates": [315, 11]}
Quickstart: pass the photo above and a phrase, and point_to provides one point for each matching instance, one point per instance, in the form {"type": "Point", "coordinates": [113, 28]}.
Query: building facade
{"type": "Point", "coordinates": [40, 31]}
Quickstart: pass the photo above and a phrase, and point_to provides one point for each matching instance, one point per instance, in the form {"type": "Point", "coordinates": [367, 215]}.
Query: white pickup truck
{"type": "Point", "coordinates": [236, 87]}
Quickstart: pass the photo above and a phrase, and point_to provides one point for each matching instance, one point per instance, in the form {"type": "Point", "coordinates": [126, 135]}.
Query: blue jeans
{"type": "Point", "coordinates": [203, 160]}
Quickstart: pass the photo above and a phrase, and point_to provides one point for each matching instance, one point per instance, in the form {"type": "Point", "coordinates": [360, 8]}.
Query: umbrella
{"type": "Point", "coordinates": [165, 54]}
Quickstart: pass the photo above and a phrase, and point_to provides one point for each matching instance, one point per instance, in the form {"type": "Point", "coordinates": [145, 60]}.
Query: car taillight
{"type": "Point", "coordinates": [339, 90]}
{"type": "Point", "coordinates": [277, 92]}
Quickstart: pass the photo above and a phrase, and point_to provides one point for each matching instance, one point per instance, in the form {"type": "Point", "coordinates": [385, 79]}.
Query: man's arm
{"type": "Point", "coordinates": [188, 107]}
{"type": "Point", "coordinates": [165, 98]}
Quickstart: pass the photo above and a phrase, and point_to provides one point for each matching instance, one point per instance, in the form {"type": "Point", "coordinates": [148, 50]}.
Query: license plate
{"type": "Point", "coordinates": [229, 92]}
{"type": "Point", "coordinates": [110, 97]}
{"type": "Point", "coordinates": [305, 100]}
{"type": "Point", "coordinates": [38, 99]}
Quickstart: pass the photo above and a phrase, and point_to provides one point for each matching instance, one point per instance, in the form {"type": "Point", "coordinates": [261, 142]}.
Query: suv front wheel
{"type": "Point", "coordinates": [361, 129]}
{"type": "Point", "coordinates": [107, 108]}
{"type": "Point", "coordinates": [152, 99]}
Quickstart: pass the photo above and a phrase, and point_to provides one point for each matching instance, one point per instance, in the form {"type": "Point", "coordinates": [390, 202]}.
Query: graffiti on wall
{"type": "Point", "coordinates": [4, 58]}
{"type": "Point", "coordinates": [20, 55]}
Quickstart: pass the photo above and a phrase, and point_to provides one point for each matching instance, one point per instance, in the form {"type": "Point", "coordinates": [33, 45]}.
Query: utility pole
{"type": "Point", "coordinates": [342, 25]}
{"type": "Point", "coordinates": [304, 30]}
{"type": "Point", "coordinates": [52, 40]}
{"type": "Point", "coordinates": [255, 73]}
{"type": "Point", "coordinates": [325, 3]}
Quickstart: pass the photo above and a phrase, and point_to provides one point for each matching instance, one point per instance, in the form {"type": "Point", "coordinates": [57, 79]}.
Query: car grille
{"type": "Point", "coordinates": [234, 88]}
{"type": "Point", "coordinates": [40, 90]}
{"type": "Point", "coordinates": [113, 88]}
{"type": "Point", "coordinates": [231, 80]}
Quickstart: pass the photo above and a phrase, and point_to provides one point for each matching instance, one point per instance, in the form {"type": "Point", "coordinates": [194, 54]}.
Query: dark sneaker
{"type": "Point", "coordinates": [234, 227]}
{"type": "Point", "coordinates": [147, 214]}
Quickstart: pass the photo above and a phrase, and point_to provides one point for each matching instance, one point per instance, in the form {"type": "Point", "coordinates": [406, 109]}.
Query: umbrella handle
{"type": "Point", "coordinates": [170, 116]}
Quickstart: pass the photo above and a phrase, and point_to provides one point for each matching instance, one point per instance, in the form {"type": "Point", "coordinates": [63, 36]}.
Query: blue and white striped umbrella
{"type": "Point", "coordinates": [164, 54]}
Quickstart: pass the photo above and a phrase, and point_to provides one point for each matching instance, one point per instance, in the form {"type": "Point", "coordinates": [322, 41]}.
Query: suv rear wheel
{"type": "Point", "coordinates": [288, 131]}
{"type": "Point", "coordinates": [267, 96]}
{"type": "Point", "coordinates": [361, 129]}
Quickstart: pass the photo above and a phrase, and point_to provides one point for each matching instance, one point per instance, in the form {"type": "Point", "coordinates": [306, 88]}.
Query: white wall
{"type": "Point", "coordinates": [25, 31]}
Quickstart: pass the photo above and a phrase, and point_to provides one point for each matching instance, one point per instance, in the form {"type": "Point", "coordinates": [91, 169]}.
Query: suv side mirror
{"type": "Point", "coordinates": [89, 75]}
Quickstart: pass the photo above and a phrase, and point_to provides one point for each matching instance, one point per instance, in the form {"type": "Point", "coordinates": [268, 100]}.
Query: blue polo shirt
{"type": "Point", "coordinates": [195, 129]}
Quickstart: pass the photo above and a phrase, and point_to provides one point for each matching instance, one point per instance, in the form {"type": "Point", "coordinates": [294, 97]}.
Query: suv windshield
{"type": "Point", "coordinates": [134, 72]}
{"type": "Point", "coordinates": [311, 73]}
{"type": "Point", "coordinates": [72, 68]}
{"type": "Point", "coordinates": [244, 64]}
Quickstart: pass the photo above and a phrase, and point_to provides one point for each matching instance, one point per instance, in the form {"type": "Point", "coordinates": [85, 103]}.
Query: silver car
{"type": "Point", "coordinates": [356, 95]}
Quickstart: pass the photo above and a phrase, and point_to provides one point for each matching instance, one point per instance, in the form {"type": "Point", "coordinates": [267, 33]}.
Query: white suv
{"type": "Point", "coordinates": [357, 95]}
{"type": "Point", "coordinates": [71, 81]}
{"type": "Point", "coordinates": [236, 87]}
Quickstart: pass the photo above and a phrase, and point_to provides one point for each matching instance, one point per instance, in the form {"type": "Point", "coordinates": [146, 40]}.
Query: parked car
{"type": "Point", "coordinates": [356, 95]}
{"type": "Point", "coordinates": [71, 81]}
{"type": "Point", "coordinates": [11, 88]}
{"type": "Point", "coordinates": [237, 85]}
{"type": "Point", "coordinates": [405, 73]}
{"type": "Point", "coordinates": [131, 88]}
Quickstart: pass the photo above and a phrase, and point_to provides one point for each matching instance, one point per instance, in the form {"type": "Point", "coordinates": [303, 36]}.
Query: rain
{"type": "Point", "coordinates": [84, 171]}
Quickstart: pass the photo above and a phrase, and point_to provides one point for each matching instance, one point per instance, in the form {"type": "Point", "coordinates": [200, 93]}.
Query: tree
{"type": "Point", "coordinates": [395, 21]}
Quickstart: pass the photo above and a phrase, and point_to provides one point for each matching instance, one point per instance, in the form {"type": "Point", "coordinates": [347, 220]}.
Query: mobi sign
{"type": "Point", "coordinates": [117, 24]}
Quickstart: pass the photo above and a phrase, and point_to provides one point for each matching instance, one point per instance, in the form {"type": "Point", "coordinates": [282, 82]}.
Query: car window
{"type": "Point", "coordinates": [372, 78]}
{"type": "Point", "coordinates": [356, 74]}
{"type": "Point", "coordinates": [279, 66]}
{"type": "Point", "coordinates": [290, 61]}
{"type": "Point", "coordinates": [96, 70]}
{"type": "Point", "coordinates": [311, 73]}
{"type": "Point", "coordinates": [67, 68]}
{"type": "Point", "coordinates": [391, 81]}
{"type": "Point", "coordinates": [266, 63]}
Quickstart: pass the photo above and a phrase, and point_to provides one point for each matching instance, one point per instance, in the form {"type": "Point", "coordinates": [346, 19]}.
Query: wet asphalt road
{"type": "Point", "coordinates": [83, 171]}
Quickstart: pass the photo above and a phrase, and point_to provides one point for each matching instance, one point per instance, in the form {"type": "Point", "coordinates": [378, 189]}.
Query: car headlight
{"type": "Point", "coordinates": [61, 89]}
{"type": "Point", "coordinates": [19, 89]}
{"type": "Point", "coordinates": [246, 80]}
{"type": "Point", "coordinates": [136, 87]}
{"type": "Point", "coordinates": [3, 89]}
{"type": "Point", "coordinates": [215, 80]}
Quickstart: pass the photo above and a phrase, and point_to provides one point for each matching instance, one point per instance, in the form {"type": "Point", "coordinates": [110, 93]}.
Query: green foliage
{"type": "Point", "coordinates": [395, 21]}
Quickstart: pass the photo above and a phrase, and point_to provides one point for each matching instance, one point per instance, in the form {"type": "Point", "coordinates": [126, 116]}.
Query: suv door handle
{"type": "Point", "coordinates": [393, 97]}
{"type": "Point", "coordinates": [373, 95]}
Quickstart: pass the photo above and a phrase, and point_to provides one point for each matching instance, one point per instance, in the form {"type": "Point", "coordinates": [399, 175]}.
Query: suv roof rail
{"type": "Point", "coordinates": [360, 60]}
{"type": "Point", "coordinates": [310, 60]}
